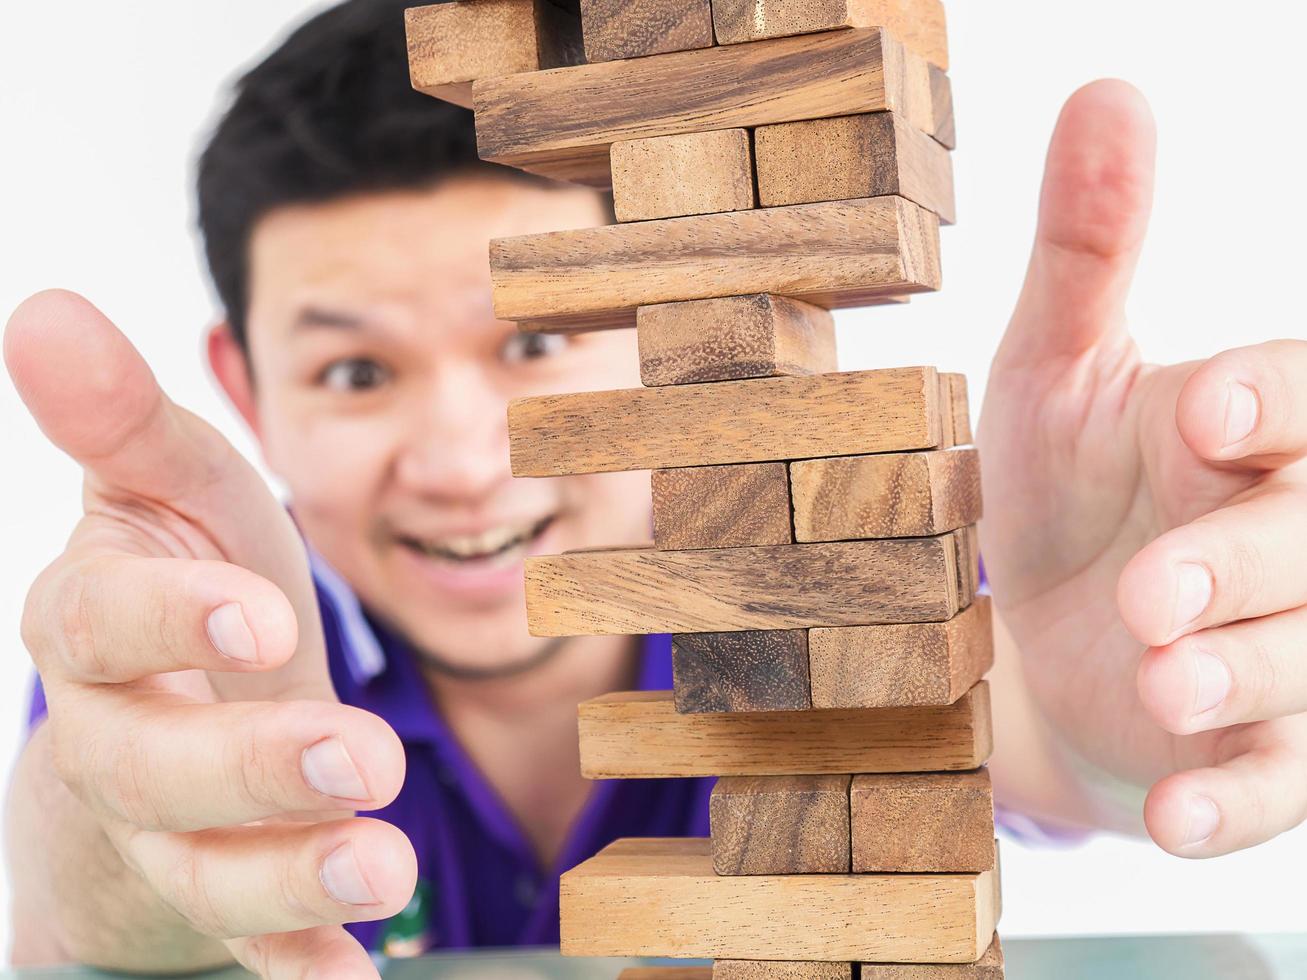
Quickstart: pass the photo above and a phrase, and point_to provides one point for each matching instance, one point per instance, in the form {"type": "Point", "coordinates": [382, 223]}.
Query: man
{"type": "Point", "coordinates": [215, 718]}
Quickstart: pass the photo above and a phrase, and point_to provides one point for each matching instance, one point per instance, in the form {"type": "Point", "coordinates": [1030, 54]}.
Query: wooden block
{"type": "Point", "coordinates": [751, 671]}
{"type": "Point", "coordinates": [641, 736]}
{"type": "Point", "coordinates": [721, 506]}
{"type": "Point", "coordinates": [988, 967]}
{"type": "Point", "coordinates": [734, 338]}
{"type": "Point", "coordinates": [691, 173]}
{"type": "Point", "coordinates": [779, 970]}
{"type": "Point", "coordinates": [562, 123]}
{"type": "Point", "coordinates": [760, 420]}
{"type": "Point", "coordinates": [967, 542]}
{"type": "Point", "coordinates": [661, 898]}
{"type": "Point", "coordinates": [958, 399]}
{"type": "Point", "coordinates": [944, 128]}
{"type": "Point", "coordinates": [846, 157]}
{"type": "Point", "coordinates": [833, 254]}
{"type": "Point", "coordinates": [893, 495]}
{"type": "Point", "coordinates": [919, 24]}
{"type": "Point", "coordinates": [901, 665]}
{"type": "Point", "coordinates": [616, 29]}
{"type": "Point", "coordinates": [450, 45]}
{"type": "Point", "coordinates": [781, 825]}
{"type": "Point", "coordinates": [923, 822]}
{"type": "Point", "coordinates": [727, 590]}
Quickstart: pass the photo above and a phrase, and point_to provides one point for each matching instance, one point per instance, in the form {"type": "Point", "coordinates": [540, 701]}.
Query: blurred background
{"type": "Point", "coordinates": [102, 106]}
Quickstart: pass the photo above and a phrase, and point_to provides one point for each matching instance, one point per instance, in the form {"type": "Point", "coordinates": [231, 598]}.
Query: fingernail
{"type": "Point", "coordinates": [230, 634]}
{"type": "Point", "coordinates": [328, 768]}
{"type": "Point", "coordinates": [1193, 591]}
{"type": "Point", "coordinates": [343, 878]}
{"type": "Point", "coordinates": [1212, 678]}
{"type": "Point", "coordinates": [1241, 412]}
{"type": "Point", "coordinates": [1202, 821]}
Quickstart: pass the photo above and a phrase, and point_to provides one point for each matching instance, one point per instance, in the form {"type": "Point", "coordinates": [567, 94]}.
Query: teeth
{"type": "Point", "coordinates": [490, 542]}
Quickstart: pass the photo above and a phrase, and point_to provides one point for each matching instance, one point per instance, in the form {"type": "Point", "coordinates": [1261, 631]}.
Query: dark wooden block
{"type": "Point", "coordinates": [754, 671]}
{"type": "Point", "coordinates": [617, 29]}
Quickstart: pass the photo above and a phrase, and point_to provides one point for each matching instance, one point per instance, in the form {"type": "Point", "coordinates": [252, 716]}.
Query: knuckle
{"type": "Point", "coordinates": [1244, 574]}
{"type": "Point", "coordinates": [187, 888]}
{"type": "Point", "coordinates": [78, 640]}
{"type": "Point", "coordinates": [131, 775]}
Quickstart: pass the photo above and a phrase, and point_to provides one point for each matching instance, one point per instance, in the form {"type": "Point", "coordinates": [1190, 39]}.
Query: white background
{"type": "Point", "coordinates": [102, 105]}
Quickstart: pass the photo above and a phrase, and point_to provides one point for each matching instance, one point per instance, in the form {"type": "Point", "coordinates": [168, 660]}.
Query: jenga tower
{"type": "Point", "coordinates": [815, 553]}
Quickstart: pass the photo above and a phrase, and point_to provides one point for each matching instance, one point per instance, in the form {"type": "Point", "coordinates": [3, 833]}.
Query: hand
{"type": "Point", "coordinates": [1145, 525]}
{"type": "Point", "coordinates": [180, 646]}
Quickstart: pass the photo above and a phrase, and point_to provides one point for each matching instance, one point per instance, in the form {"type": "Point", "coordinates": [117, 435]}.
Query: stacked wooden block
{"type": "Point", "coordinates": [814, 548]}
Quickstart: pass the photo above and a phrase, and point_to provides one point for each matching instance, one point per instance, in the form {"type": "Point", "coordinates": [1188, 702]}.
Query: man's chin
{"type": "Point", "coordinates": [480, 667]}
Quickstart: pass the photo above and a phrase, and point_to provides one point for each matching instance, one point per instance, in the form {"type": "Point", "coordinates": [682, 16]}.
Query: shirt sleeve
{"type": "Point", "coordinates": [36, 707]}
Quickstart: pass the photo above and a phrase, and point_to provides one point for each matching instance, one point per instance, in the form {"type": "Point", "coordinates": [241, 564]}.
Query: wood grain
{"type": "Point", "coordinates": [832, 254]}
{"type": "Point", "coordinates": [889, 495]}
{"type": "Point", "coordinates": [750, 671]}
{"type": "Point", "coordinates": [777, 970]}
{"type": "Point", "coordinates": [661, 898]}
{"type": "Point", "coordinates": [753, 421]}
{"type": "Point", "coordinates": [868, 155]}
{"type": "Point", "coordinates": [901, 665]}
{"type": "Point", "coordinates": [686, 174]}
{"type": "Point", "coordinates": [988, 967]}
{"type": "Point", "coordinates": [450, 45]}
{"type": "Point", "coordinates": [923, 822]}
{"type": "Point", "coordinates": [919, 24]}
{"type": "Point", "coordinates": [733, 338]}
{"type": "Point", "coordinates": [640, 735]}
{"type": "Point", "coordinates": [721, 506]}
{"type": "Point", "coordinates": [536, 121]}
{"type": "Point", "coordinates": [781, 825]}
{"type": "Point", "coordinates": [726, 590]}
{"type": "Point", "coordinates": [616, 29]}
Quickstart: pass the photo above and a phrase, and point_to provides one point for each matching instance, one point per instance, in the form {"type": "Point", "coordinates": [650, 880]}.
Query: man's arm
{"type": "Point", "coordinates": [73, 896]}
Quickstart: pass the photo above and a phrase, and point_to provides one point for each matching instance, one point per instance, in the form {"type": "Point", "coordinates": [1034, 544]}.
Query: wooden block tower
{"type": "Point", "coordinates": [815, 554]}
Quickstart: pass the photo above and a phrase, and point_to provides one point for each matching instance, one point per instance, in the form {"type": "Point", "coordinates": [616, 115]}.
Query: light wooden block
{"type": "Point", "coordinates": [726, 590]}
{"type": "Point", "coordinates": [901, 665]}
{"type": "Point", "coordinates": [750, 671]}
{"type": "Point", "coordinates": [759, 420]}
{"type": "Point", "coordinates": [919, 24]}
{"type": "Point", "coordinates": [890, 495]}
{"type": "Point", "coordinates": [988, 967]}
{"type": "Point", "coordinates": [691, 173]}
{"type": "Point", "coordinates": [944, 128]}
{"type": "Point", "coordinates": [721, 506]}
{"type": "Point", "coordinates": [450, 45]}
{"type": "Point", "coordinates": [733, 338]}
{"type": "Point", "coordinates": [661, 898]}
{"type": "Point", "coordinates": [869, 155]}
{"type": "Point", "coordinates": [782, 825]}
{"type": "Point", "coordinates": [562, 123]}
{"type": "Point", "coordinates": [832, 255]}
{"type": "Point", "coordinates": [617, 29]}
{"type": "Point", "coordinates": [967, 542]}
{"type": "Point", "coordinates": [640, 735]}
{"type": "Point", "coordinates": [779, 970]}
{"type": "Point", "coordinates": [923, 822]}
{"type": "Point", "coordinates": [961, 428]}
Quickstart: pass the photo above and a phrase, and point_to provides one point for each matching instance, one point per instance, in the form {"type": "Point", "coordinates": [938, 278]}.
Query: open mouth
{"type": "Point", "coordinates": [494, 547]}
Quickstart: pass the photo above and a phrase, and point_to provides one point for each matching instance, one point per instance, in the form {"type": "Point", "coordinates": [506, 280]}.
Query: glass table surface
{"type": "Point", "coordinates": [1212, 957]}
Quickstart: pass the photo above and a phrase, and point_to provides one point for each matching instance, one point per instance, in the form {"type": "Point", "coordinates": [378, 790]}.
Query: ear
{"type": "Point", "coordinates": [231, 366]}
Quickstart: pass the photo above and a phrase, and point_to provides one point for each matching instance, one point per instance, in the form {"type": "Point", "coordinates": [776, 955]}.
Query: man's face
{"type": "Point", "coordinates": [381, 385]}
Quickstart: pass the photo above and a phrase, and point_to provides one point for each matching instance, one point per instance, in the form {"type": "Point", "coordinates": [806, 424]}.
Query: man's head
{"type": "Point", "coordinates": [346, 221]}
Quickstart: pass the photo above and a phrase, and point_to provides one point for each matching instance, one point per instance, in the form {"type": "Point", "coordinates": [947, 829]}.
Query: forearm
{"type": "Point", "coordinates": [74, 899]}
{"type": "Point", "coordinates": [1035, 772]}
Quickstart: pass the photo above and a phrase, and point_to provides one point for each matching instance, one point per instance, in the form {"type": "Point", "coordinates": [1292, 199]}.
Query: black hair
{"type": "Point", "coordinates": [330, 113]}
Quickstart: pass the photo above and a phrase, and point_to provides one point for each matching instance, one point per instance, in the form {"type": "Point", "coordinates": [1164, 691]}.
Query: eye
{"type": "Point", "coordinates": [354, 374]}
{"type": "Point", "coordinates": [533, 346]}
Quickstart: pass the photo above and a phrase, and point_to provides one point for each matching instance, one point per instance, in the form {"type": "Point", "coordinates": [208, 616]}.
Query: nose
{"type": "Point", "coordinates": [457, 444]}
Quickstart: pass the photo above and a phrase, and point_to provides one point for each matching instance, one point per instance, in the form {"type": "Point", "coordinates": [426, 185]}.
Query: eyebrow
{"type": "Point", "coordinates": [313, 317]}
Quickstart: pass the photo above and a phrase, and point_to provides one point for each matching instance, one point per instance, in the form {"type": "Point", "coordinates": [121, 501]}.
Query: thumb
{"type": "Point", "coordinates": [1093, 214]}
{"type": "Point", "coordinates": [96, 399]}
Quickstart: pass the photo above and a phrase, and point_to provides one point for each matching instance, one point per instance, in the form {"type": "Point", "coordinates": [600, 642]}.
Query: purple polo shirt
{"type": "Point", "coordinates": [483, 884]}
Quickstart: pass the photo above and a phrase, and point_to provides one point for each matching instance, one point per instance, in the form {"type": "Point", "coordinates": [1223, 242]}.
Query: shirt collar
{"type": "Point", "coordinates": [362, 650]}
